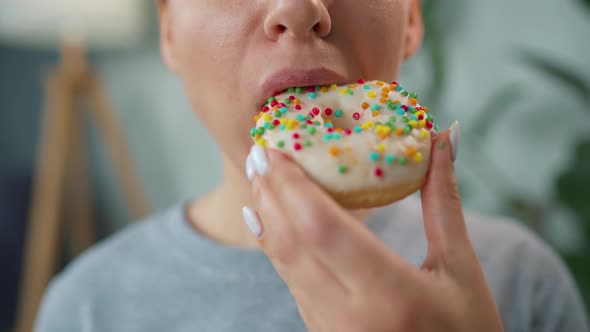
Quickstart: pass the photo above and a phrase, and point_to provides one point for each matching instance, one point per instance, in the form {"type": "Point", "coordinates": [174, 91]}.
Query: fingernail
{"type": "Point", "coordinates": [455, 139]}
{"type": "Point", "coordinates": [250, 167]}
{"type": "Point", "coordinates": [259, 159]}
{"type": "Point", "coordinates": [251, 219]}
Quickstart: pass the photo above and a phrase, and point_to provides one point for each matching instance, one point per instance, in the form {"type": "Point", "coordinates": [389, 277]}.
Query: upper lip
{"type": "Point", "coordinates": [287, 78]}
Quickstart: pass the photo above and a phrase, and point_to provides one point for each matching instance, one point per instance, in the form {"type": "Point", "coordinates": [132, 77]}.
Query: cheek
{"type": "Point", "coordinates": [209, 45]}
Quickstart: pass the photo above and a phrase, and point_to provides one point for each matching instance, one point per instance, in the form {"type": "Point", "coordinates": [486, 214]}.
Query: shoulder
{"type": "Point", "coordinates": [532, 287]}
{"type": "Point", "coordinates": [102, 270]}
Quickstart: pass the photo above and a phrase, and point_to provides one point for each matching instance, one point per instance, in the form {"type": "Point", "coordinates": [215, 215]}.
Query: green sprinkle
{"type": "Point", "coordinates": [307, 143]}
{"type": "Point", "coordinates": [312, 130]}
{"type": "Point", "coordinates": [338, 113]}
{"type": "Point", "coordinates": [403, 161]}
{"type": "Point", "coordinates": [407, 129]}
{"type": "Point", "coordinates": [374, 156]}
{"type": "Point", "coordinates": [391, 107]}
{"type": "Point", "coordinates": [271, 99]}
{"type": "Point", "coordinates": [290, 89]}
{"type": "Point", "coordinates": [298, 90]}
{"type": "Point", "coordinates": [260, 130]}
{"type": "Point", "coordinates": [405, 119]}
{"type": "Point", "coordinates": [303, 126]}
{"type": "Point", "coordinates": [280, 144]}
{"type": "Point", "coordinates": [413, 95]}
{"type": "Point", "coordinates": [350, 92]}
{"type": "Point", "coordinates": [287, 101]}
{"type": "Point", "coordinates": [342, 169]}
{"type": "Point", "coordinates": [317, 123]}
{"type": "Point", "coordinates": [278, 114]}
{"type": "Point", "coordinates": [405, 93]}
{"type": "Point", "coordinates": [317, 88]}
{"type": "Point", "coordinates": [389, 158]}
{"type": "Point", "coordinates": [271, 127]}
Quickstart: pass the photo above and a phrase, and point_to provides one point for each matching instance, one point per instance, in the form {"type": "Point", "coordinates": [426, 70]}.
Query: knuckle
{"type": "Point", "coordinates": [285, 251]}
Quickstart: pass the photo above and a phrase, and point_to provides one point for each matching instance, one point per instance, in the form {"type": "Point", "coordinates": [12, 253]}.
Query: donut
{"type": "Point", "coordinates": [367, 144]}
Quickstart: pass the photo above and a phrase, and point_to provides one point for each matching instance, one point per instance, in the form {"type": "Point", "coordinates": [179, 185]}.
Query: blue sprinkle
{"type": "Point", "coordinates": [389, 158]}
{"type": "Point", "coordinates": [413, 117]}
{"type": "Point", "coordinates": [401, 111]}
{"type": "Point", "coordinates": [358, 129]}
{"type": "Point", "coordinates": [300, 117]}
{"type": "Point", "coordinates": [336, 136]}
{"type": "Point", "coordinates": [399, 88]}
{"type": "Point", "coordinates": [282, 127]}
{"type": "Point", "coordinates": [327, 137]}
{"type": "Point", "coordinates": [284, 110]}
{"type": "Point", "coordinates": [266, 125]}
{"type": "Point", "coordinates": [367, 87]}
{"type": "Point", "coordinates": [312, 95]}
{"type": "Point", "coordinates": [375, 107]}
{"type": "Point", "coordinates": [328, 125]}
{"type": "Point", "coordinates": [374, 156]}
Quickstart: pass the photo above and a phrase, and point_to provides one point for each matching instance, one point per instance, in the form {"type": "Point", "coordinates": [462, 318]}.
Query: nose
{"type": "Point", "coordinates": [298, 19]}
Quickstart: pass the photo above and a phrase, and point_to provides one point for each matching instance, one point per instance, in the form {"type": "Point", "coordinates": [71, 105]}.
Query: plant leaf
{"type": "Point", "coordinates": [573, 185]}
{"type": "Point", "coordinates": [501, 102]}
{"type": "Point", "coordinates": [559, 72]}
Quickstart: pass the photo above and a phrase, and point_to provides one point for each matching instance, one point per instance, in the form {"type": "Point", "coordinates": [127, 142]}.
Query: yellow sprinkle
{"type": "Point", "coordinates": [343, 91]}
{"type": "Point", "coordinates": [418, 157]}
{"type": "Point", "coordinates": [413, 123]}
{"type": "Point", "coordinates": [381, 148]}
{"type": "Point", "coordinates": [256, 117]}
{"type": "Point", "coordinates": [421, 123]}
{"type": "Point", "coordinates": [387, 130]}
{"type": "Point", "coordinates": [267, 117]}
{"type": "Point", "coordinates": [261, 142]}
{"type": "Point", "coordinates": [424, 133]}
{"type": "Point", "coordinates": [371, 94]}
{"type": "Point", "coordinates": [333, 86]}
{"type": "Point", "coordinates": [334, 151]}
{"type": "Point", "coordinates": [283, 121]}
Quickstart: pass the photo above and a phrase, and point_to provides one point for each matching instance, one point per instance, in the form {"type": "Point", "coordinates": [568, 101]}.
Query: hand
{"type": "Point", "coordinates": [344, 278]}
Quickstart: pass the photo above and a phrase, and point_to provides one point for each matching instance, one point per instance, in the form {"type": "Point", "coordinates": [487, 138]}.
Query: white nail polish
{"type": "Point", "coordinates": [250, 167]}
{"type": "Point", "coordinates": [251, 219]}
{"type": "Point", "coordinates": [259, 159]}
{"type": "Point", "coordinates": [455, 139]}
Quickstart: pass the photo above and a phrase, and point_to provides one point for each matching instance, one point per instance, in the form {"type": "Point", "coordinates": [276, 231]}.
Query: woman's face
{"type": "Point", "coordinates": [233, 54]}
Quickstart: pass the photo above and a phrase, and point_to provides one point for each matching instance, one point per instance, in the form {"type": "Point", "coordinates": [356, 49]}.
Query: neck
{"type": "Point", "coordinates": [218, 215]}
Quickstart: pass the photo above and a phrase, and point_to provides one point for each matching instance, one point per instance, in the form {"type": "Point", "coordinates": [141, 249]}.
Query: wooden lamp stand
{"type": "Point", "coordinates": [62, 177]}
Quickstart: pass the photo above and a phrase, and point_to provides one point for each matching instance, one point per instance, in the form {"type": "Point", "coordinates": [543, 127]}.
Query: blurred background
{"type": "Point", "coordinates": [516, 74]}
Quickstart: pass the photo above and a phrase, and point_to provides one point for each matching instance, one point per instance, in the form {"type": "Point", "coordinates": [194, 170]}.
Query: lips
{"type": "Point", "coordinates": [284, 79]}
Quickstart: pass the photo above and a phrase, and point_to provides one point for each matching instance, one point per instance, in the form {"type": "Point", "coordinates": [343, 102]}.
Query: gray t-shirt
{"type": "Point", "coordinates": [160, 275]}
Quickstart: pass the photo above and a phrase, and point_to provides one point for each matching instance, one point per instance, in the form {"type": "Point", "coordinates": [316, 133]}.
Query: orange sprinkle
{"type": "Point", "coordinates": [385, 95]}
{"type": "Point", "coordinates": [256, 117]}
{"type": "Point", "coordinates": [413, 101]}
{"type": "Point", "coordinates": [399, 132]}
{"type": "Point", "coordinates": [383, 100]}
{"type": "Point", "coordinates": [324, 89]}
{"type": "Point", "coordinates": [297, 101]}
{"type": "Point", "coordinates": [339, 130]}
{"type": "Point", "coordinates": [352, 86]}
{"type": "Point", "coordinates": [380, 83]}
{"type": "Point", "coordinates": [385, 89]}
{"type": "Point", "coordinates": [425, 109]}
{"type": "Point", "coordinates": [256, 137]}
{"type": "Point", "coordinates": [334, 151]}
{"type": "Point", "coordinates": [411, 151]}
{"type": "Point", "coordinates": [397, 102]}
{"type": "Point", "coordinates": [375, 113]}
{"type": "Point", "coordinates": [365, 105]}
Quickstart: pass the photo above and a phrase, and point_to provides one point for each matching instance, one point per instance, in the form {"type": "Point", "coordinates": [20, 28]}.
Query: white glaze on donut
{"type": "Point", "coordinates": [357, 155]}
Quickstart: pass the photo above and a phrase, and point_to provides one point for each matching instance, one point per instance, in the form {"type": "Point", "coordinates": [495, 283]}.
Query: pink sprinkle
{"type": "Point", "coordinates": [298, 107]}
{"type": "Point", "coordinates": [330, 130]}
{"type": "Point", "coordinates": [315, 110]}
{"type": "Point", "coordinates": [405, 107]}
{"type": "Point", "coordinates": [277, 93]}
{"type": "Point", "coordinates": [311, 89]}
{"type": "Point", "coordinates": [361, 81]}
{"type": "Point", "coordinates": [274, 103]}
{"type": "Point", "coordinates": [421, 117]}
{"type": "Point", "coordinates": [348, 131]}
{"type": "Point", "coordinates": [296, 135]}
{"type": "Point", "coordinates": [429, 125]}
{"type": "Point", "coordinates": [309, 122]}
{"type": "Point", "coordinates": [395, 83]}
{"type": "Point", "coordinates": [297, 146]}
{"type": "Point", "coordinates": [276, 122]}
{"type": "Point", "coordinates": [356, 116]}
{"type": "Point", "coordinates": [265, 109]}
{"type": "Point", "coordinates": [311, 114]}
{"type": "Point", "coordinates": [281, 105]}
{"type": "Point", "coordinates": [292, 97]}
{"type": "Point", "coordinates": [328, 111]}
{"type": "Point", "coordinates": [378, 172]}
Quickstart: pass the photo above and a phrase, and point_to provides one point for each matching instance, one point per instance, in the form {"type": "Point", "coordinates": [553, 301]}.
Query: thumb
{"type": "Point", "coordinates": [441, 204]}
